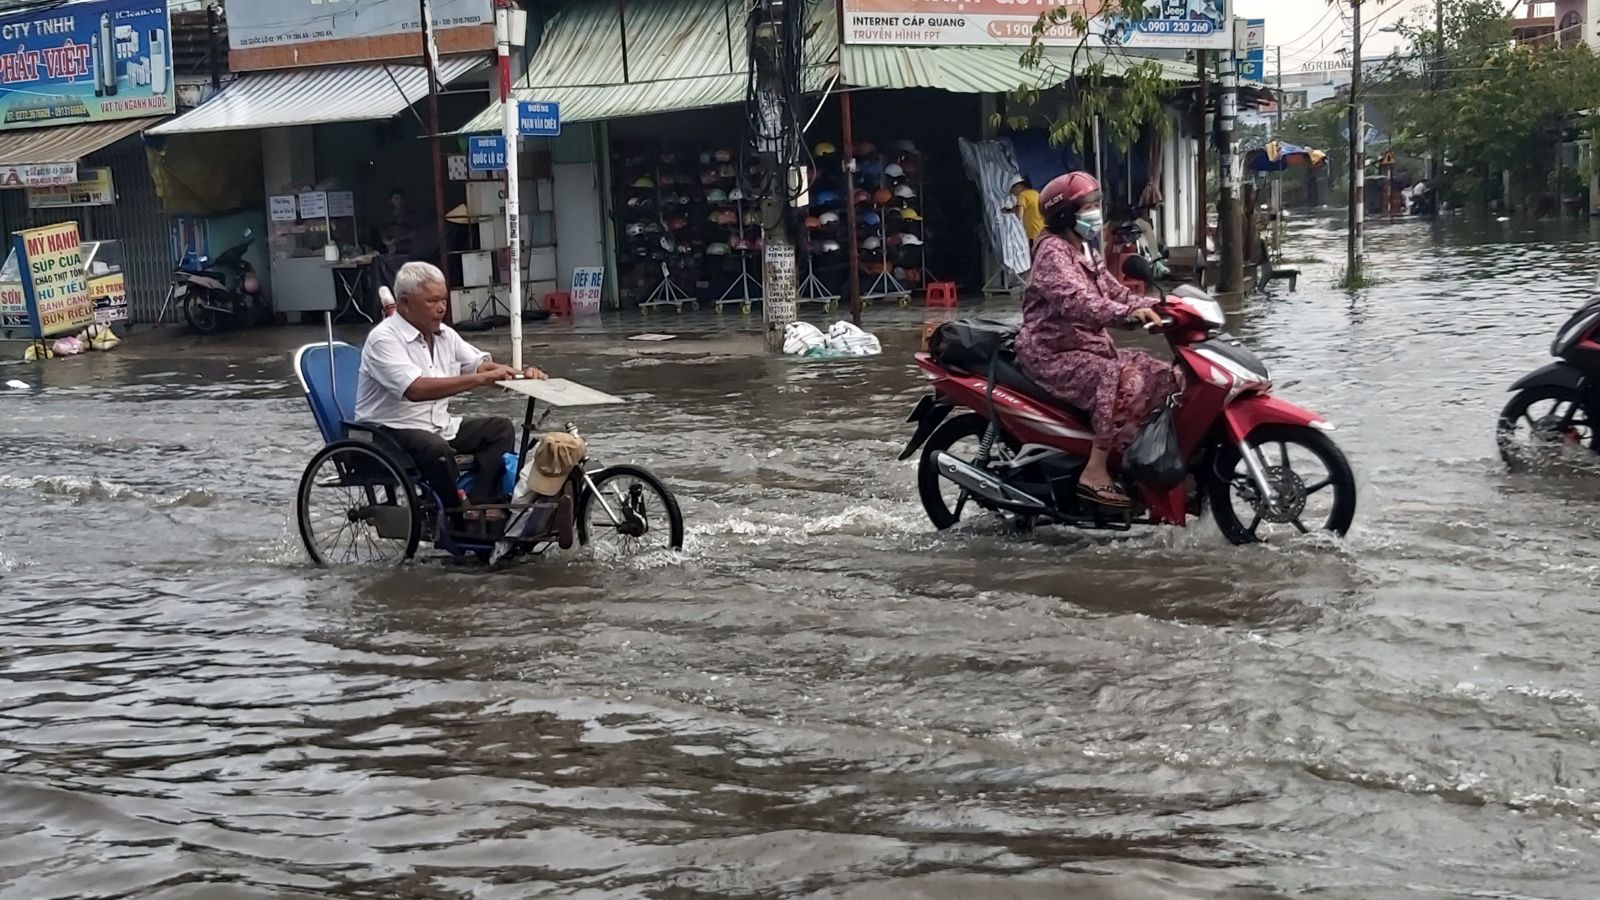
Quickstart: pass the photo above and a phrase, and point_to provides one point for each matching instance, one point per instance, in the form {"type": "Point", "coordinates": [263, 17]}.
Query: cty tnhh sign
{"type": "Point", "coordinates": [88, 61]}
{"type": "Point", "coordinates": [1162, 24]}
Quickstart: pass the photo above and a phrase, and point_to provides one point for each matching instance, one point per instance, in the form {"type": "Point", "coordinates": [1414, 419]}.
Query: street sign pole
{"type": "Point", "coordinates": [508, 130]}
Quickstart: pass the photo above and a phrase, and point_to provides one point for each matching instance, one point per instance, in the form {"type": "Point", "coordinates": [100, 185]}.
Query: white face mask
{"type": "Point", "coordinates": [1089, 223]}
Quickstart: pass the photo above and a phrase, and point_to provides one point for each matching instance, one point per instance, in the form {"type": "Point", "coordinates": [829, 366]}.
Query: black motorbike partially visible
{"type": "Point", "coordinates": [1556, 407]}
{"type": "Point", "coordinates": [219, 293]}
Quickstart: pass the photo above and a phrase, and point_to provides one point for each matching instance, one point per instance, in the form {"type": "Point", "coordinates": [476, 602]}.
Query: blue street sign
{"type": "Point", "coordinates": [536, 118]}
{"type": "Point", "coordinates": [486, 154]}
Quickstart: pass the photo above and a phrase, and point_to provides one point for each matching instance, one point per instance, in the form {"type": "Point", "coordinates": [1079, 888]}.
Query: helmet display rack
{"type": "Point", "coordinates": [652, 210]}
{"type": "Point", "coordinates": [740, 291]}
{"type": "Point", "coordinates": [812, 290]}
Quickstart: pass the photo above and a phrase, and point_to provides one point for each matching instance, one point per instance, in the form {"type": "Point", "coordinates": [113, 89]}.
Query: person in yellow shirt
{"type": "Point", "coordinates": [1026, 206]}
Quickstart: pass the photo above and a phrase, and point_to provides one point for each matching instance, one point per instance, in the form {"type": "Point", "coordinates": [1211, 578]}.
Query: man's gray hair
{"type": "Point", "coordinates": [414, 276]}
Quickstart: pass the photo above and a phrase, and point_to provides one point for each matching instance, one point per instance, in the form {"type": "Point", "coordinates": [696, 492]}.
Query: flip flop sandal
{"type": "Point", "coordinates": [1106, 496]}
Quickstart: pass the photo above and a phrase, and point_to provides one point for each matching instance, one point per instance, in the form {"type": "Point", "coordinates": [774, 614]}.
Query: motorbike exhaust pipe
{"type": "Point", "coordinates": [985, 485]}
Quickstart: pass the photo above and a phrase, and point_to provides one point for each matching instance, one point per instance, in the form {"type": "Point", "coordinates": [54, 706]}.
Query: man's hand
{"type": "Point", "coordinates": [493, 372]}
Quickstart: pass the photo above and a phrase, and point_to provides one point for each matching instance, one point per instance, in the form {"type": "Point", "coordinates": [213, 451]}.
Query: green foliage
{"type": "Point", "coordinates": [1498, 105]}
{"type": "Point", "coordinates": [1080, 82]}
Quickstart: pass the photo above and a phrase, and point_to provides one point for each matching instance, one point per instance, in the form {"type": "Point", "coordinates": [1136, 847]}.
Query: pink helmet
{"type": "Point", "coordinates": [1066, 193]}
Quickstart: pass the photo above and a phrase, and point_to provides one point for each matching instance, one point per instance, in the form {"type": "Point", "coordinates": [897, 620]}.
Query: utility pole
{"type": "Point", "coordinates": [1358, 153]}
{"type": "Point", "coordinates": [1229, 219]}
{"type": "Point", "coordinates": [430, 58]}
{"type": "Point", "coordinates": [214, 28]}
{"type": "Point", "coordinates": [1277, 177]}
{"type": "Point", "coordinates": [1437, 164]}
{"type": "Point", "coordinates": [1202, 198]}
{"type": "Point", "coordinates": [510, 134]}
{"type": "Point", "coordinates": [776, 146]}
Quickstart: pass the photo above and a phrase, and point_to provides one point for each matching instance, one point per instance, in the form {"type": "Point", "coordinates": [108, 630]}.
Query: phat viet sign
{"type": "Point", "coordinates": [85, 62]}
{"type": "Point", "coordinates": [54, 287]}
{"type": "Point", "coordinates": [1165, 24]}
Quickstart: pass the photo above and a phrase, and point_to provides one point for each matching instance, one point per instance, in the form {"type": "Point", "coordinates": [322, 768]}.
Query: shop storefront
{"type": "Point", "coordinates": [653, 99]}
{"type": "Point", "coordinates": [83, 81]}
{"type": "Point", "coordinates": [327, 150]}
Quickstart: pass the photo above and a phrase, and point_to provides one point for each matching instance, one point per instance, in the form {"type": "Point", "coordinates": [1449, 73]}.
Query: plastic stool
{"type": "Point", "coordinates": [942, 293]}
{"type": "Point", "coordinates": [558, 303]}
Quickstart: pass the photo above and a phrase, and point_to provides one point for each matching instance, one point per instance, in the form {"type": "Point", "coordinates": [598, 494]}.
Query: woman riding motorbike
{"type": "Point", "coordinates": [1070, 301]}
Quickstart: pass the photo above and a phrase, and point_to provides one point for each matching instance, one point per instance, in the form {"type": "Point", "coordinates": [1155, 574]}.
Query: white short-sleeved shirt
{"type": "Point", "coordinates": [397, 354]}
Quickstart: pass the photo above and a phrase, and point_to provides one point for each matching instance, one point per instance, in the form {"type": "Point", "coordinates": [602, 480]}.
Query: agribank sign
{"type": "Point", "coordinates": [1165, 24]}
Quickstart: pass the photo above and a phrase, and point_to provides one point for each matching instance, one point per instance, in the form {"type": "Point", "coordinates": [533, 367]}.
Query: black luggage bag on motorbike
{"type": "Point", "coordinates": [971, 344]}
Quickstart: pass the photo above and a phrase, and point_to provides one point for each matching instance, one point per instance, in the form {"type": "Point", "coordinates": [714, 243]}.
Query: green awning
{"type": "Point", "coordinates": [974, 70]}
{"type": "Point", "coordinates": [682, 54]}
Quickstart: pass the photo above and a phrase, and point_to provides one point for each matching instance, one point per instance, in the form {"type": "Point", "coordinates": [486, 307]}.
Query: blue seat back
{"type": "Point", "coordinates": [331, 407]}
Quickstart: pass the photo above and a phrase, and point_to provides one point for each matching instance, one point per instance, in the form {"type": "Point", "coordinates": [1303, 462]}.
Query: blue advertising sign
{"type": "Point", "coordinates": [86, 61]}
{"type": "Point", "coordinates": [486, 154]}
{"type": "Point", "coordinates": [1253, 66]}
{"type": "Point", "coordinates": [538, 118]}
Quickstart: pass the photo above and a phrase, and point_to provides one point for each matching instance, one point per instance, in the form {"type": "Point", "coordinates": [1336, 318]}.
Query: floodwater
{"type": "Point", "coordinates": [819, 697]}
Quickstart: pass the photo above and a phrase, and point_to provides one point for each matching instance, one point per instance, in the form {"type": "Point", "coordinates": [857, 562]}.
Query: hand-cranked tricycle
{"type": "Point", "coordinates": [362, 499]}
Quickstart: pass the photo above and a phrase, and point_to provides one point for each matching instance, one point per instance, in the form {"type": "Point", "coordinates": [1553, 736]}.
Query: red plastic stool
{"type": "Point", "coordinates": [558, 303]}
{"type": "Point", "coordinates": [942, 293]}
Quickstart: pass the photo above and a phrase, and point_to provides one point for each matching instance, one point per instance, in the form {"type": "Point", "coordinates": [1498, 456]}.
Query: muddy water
{"type": "Point", "coordinates": [818, 696]}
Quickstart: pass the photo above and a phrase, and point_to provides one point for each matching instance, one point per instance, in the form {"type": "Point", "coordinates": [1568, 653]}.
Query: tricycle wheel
{"type": "Point", "coordinates": [630, 511]}
{"type": "Point", "coordinates": [357, 507]}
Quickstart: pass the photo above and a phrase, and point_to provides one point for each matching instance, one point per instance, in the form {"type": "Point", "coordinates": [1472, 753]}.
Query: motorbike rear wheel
{"type": "Point", "coordinates": [1531, 425]}
{"type": "Point", "coordinates": [942, 511]}
{"type": "Point", "coordinates": [1300, 490]}
{"type": "Point", "coordinates": [201, 318]}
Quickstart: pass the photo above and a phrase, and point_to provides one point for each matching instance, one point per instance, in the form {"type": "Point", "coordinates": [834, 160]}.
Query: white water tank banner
{"type": "Point", "coordinates": [990, 166]}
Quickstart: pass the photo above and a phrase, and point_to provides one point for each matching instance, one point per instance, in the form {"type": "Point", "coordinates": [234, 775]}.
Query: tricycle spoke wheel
{"type": "Point", "coordinates": [631, 512]}
{"type": "Point", "coordinates": [356, 507]}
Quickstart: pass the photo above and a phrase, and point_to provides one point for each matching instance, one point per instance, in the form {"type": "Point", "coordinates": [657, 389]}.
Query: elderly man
{"type": "Point", "coordinates": [411, 364]}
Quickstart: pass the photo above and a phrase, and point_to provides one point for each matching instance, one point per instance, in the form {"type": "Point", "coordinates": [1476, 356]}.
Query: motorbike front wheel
{"type": "Point", "coordinates": [201, 318]}
{"type": "Point", "coordinates": [1315, 488]}
{"type": "Point", "coordinates": [944, 501]}
{"type": "Point", "coordinates": [1542, 421]}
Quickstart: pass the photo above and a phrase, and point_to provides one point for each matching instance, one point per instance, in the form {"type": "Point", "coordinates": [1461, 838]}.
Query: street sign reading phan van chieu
{"type": "Point", "coordinates": [538, 118]}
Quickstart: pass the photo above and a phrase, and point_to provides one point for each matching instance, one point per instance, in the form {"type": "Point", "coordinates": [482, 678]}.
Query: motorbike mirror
{"type": "Point", "coordinates": [1136, 266]}
{"type": "Point", "coordinates": [249, 233]}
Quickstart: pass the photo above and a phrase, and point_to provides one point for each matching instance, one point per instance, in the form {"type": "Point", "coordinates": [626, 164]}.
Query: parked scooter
{"type": "Point", "coordinates": [1264, 466]}
{"type": "Point", "coordinates": [221, 292]}
{"type": "Point", "coordinates": [1555, 407]}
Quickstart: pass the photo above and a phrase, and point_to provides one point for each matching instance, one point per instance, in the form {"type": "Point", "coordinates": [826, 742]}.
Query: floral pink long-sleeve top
{"type": "Point", "coordinates": [1070, 301]}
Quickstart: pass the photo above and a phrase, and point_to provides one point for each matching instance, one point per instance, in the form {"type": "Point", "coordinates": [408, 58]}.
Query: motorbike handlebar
{"type": "Point", "coordinates": [1166, 322]}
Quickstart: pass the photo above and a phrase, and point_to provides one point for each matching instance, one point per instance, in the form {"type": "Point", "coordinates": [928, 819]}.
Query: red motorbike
{"type": "Point", "coordinates": [1266, 467]}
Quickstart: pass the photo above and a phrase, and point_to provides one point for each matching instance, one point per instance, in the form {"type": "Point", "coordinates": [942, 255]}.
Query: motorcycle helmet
{"type": "Point", "coordinates": [872, 242]}
{"type": "Point", "coordinates": [727, 171]}
{"type": "Point", "coordinates": [828, 218]}
{"type": "Point", "coordinates": [678, 223]}
{"type": "Point", "coordinates": [913, 277]}
{"type": "Point", "coordinates": [904, 146]}
{"type": "Point", "coordinates": [894, 240]}
{"type": "Point", "coordinates": [634, 229]}
{"type": "Point", "coordinates": [717, 249]}
{"type": "Point", "coordinates": [831, 247]}
{"type": "Point", "coordinates": [904, 192]}
{"type": "Point", "coordinates": [668, 243]}
{"type": "Point", "coordinates": [824, 150]}
{"type": "Point", "coordinates": [861, 198]}
{"type": "Point", "coordinates": [644, 181]}
{"type": "Point", "coordinates": [910, 240]}
{"type": "Point", "coordinates": [716, 195]}
{"type": "Point", "coordinates": [705, 158]}
{"type": "Point", "coordinates": [722, 156]}
{"type": "Point", "coordinates": [751, 217]}
{"type": "Point", "coordinates": [813, 222]}
{"type": "Point", "coordinates": [910, 215]}
{"type": "Point", "coordinates": [727, 217]}
{"type": "Point", "coordinates": [870, 220]}
{"type": "Point", "coordinates": [652, 228]}
{"type": "Point", "coordinates": [882, 196]}
{"type": "Point", "coordinates": [894, 170]}
{"type": "Point", "coordinates": [736, 194]}
{"type": "Point", "coordinates": [826, 198]}
{"type": "Point", "coordinates": [1064, 195]}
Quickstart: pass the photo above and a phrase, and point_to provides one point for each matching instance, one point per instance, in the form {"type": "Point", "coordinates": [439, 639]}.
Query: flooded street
{"type": "Point", "coordinates": [820, 696]}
